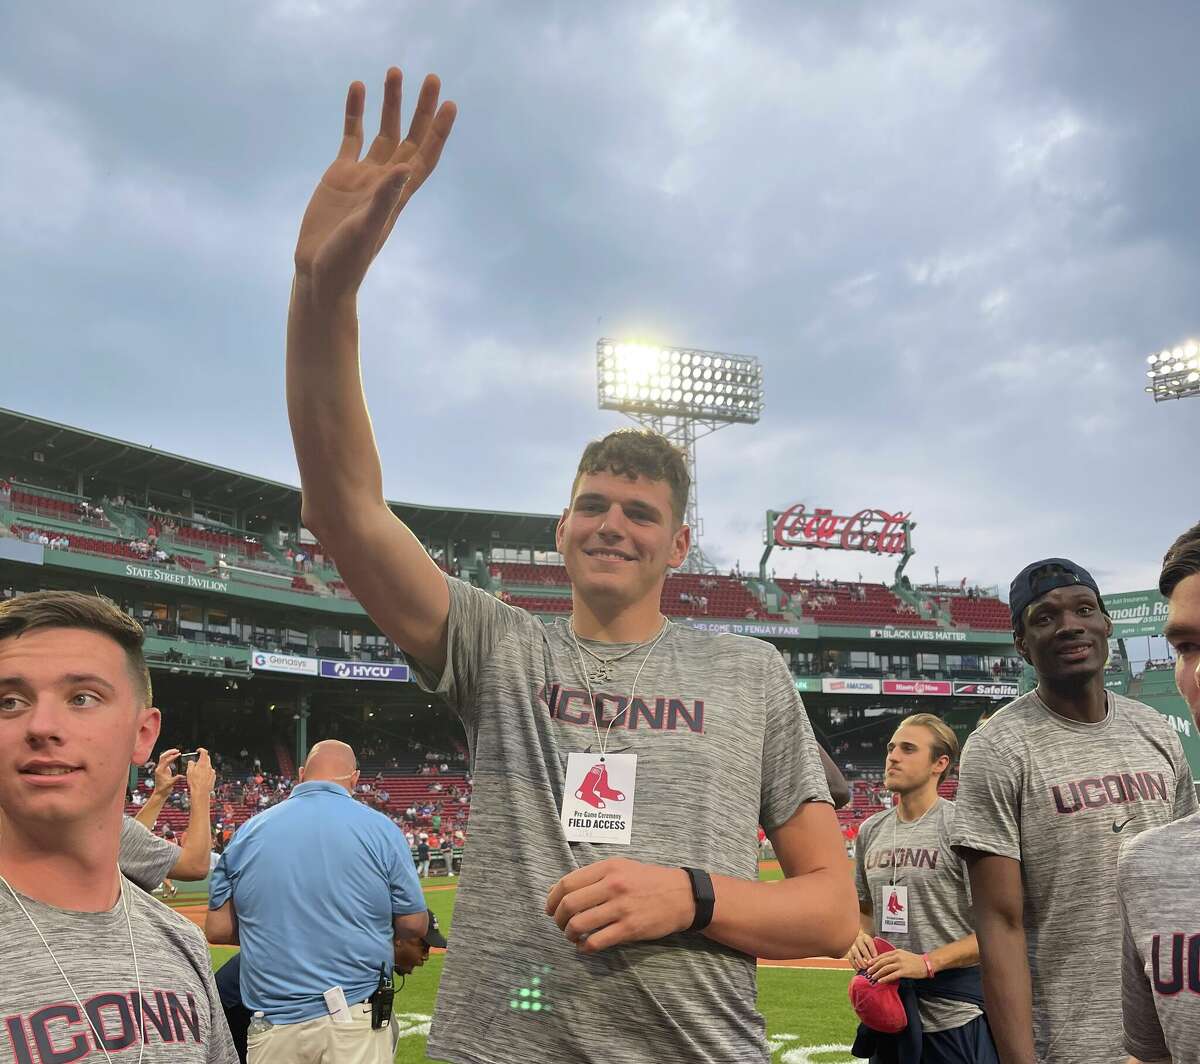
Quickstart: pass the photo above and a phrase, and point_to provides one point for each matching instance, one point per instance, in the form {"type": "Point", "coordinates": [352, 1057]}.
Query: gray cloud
{"type": "Point", "coordinates": [950, 231]}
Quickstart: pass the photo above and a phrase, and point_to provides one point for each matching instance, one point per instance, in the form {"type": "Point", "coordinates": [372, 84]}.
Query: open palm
{"type": "Point", "coordinates": [358, 200]}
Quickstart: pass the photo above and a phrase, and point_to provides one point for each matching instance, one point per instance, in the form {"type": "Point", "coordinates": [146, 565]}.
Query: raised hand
{"type": "Point", "coordinates": [356, 204]}
{"type": "Point", "coordinates": [164, 772]}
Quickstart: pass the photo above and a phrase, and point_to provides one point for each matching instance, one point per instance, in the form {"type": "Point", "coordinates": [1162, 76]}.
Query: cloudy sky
{"type": "Point", "coordinates": [951, 231]}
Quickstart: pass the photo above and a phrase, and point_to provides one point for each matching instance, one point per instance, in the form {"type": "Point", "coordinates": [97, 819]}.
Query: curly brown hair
{"type": "Point", "coordinates": [91, 613]}
{"type": "Point", "coordinates": [634, 452]}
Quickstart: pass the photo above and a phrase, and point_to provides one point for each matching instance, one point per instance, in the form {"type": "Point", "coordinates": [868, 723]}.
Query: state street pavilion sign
{"type": "Point", "coordinates": [876, 531]}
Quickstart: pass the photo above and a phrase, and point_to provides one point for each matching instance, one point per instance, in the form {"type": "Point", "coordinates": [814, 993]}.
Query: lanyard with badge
{"type": "Point", "coordinates": [894, 918]}
{"type": "Point", "coordinates": [597, 803]}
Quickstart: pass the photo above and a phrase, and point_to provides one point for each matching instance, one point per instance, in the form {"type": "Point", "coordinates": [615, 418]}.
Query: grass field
{"type": "Point", "coordinates": [808, 1016]}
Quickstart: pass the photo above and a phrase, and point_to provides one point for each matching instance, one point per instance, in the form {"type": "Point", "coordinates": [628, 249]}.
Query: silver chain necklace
{"type": "Point", "coordinates": [139, 1019]}
{"type": "Point", "coordinates": [602, 671]}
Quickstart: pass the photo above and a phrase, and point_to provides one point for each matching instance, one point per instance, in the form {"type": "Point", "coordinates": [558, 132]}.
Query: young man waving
{"type": "Point", "coordinates": [610, 908]}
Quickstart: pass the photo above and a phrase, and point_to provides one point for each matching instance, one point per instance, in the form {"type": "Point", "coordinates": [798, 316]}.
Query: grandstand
{"type": "Point", "coordinates": [247, 614]}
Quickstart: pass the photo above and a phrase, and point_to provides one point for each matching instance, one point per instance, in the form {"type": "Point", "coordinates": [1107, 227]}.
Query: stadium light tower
{"type": "Point", "coordinates": [1174, 374]}
{"type": "Point", "coordinates": [684, 394]}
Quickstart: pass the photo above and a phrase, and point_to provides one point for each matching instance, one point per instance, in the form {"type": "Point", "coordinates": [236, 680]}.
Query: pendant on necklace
{"type": "Point", "coordinates": [601, 672]}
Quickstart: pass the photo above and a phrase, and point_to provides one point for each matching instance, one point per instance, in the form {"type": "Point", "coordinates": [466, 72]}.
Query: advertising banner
{"type": "Point", "coordinates": [936, 635]}
{"type": "Point", "coordinates": [364, 670]}
{"type": "Point", "coordinates": [916, 687]}
{"type": "Point", "coordinates": [876, 531]}
{"type": "Point", "coordinates": [807, 683]}
{"type": "Point", "coordinates": [1136, 613]}
{"type": "Point", "coordinates": [849, 686]}
{"type": "Point", "coordinates": [987, 689]}
{"type": "Point", "coordinates": [298, 666]}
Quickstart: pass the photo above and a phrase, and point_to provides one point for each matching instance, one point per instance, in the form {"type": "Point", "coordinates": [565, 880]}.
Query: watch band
{"type": "Point", "coordinates": [704, 897]}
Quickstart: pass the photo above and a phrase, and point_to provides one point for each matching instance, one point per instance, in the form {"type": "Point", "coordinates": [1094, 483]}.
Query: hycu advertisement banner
{"type": "Point", "coordinates": [916, 687]}
{"type": "Point", "coordinates": [851, 686]}
{"type": "Point", "coordinates": [1136, 613]}
{"type": "Point", "coordinates": [987, 690]}
{"type": "Point", "coordinates": [363, 670]}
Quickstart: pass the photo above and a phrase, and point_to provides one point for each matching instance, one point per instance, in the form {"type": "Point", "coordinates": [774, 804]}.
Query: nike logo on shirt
{"type": "Point", "coordinates": [1117, 829]}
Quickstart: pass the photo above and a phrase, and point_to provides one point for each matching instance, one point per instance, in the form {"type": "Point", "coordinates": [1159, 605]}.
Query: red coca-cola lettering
{"type": "Point", "coordinates": [877, 531]}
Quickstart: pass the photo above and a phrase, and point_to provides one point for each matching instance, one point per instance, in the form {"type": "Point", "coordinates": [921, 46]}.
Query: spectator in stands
{"type": "Point", "coordinates": [305, 926]}
{"type": "Point", "coordinates": [77, 712]}
{"type": "Point", "coordinates": [620, 534]}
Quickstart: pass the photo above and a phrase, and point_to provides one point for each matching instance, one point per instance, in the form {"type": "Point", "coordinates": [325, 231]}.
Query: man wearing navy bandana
{"type": "Point", "coordinates": [1049, 791]}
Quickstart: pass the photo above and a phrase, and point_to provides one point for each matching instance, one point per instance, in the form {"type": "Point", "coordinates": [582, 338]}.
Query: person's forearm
{"type": "Point", "coordinates": [813, 915]}
{"type": "Point", "coordinates": [866, 921]}
{"type": "Point", "coordinates": [335, 446]}
{"type": "Point", "coordinates": [196, 852]}
{"type": "Point", "coordinates": [962, 953]}
{"type": "Point", "coordinates": [148, 815]}
{"type": "Point", "coordinates": [1006, 988]}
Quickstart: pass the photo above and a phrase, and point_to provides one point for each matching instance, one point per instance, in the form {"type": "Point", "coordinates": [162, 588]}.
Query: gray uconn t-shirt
{"type": "Point", "coordinates": [145, 858]}
{"type": "Point", "coordinates": [1157, 877]}
{"type": "Point", "coordinates": [1061, 797]}
{"type": "Point", "coordinates": [40, 1020]}
{"type": "Point", "coordinates": [722, 743]}
{"type": "Point", "coordinates": [918, 856]}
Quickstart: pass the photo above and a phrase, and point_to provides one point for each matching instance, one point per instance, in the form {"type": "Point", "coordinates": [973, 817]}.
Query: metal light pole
{"type": "Point", "coordinates": [683, 394]}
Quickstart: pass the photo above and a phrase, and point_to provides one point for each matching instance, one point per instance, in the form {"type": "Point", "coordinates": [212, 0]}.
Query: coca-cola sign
{"type": "Point", "coordinates": [877, 531]}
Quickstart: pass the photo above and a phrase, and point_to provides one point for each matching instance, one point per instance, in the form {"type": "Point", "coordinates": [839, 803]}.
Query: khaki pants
{"type": "Point", "coordinates": [321, 1041]}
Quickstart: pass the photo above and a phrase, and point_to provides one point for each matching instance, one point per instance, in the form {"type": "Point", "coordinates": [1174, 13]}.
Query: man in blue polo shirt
{"type": "Point", "coordinates": [315, 891]}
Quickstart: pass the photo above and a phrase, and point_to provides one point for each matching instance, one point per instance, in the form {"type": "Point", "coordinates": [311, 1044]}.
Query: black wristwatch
{"type": "Point", "coordinates": [703, 896]}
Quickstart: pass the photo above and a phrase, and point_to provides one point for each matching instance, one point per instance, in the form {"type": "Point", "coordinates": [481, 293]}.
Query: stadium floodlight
{"type": "Point", "coordinates": [658, 381]}
{"type": "Point", "coordinates": [684, 394]}
{"type": "Point", "coordinates": [1174, 373]}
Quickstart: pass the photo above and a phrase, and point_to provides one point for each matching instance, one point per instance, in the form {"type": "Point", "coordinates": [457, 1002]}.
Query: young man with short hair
{"type": "Point", "coordinates": [621, 763]}
{"type": "Point", "coordinates": [92, 965]}
{"type": "Point", "coordinates": [1048, 791]}
{"type": "Point", "coordinates": [913, 892]}
{"type": "Point", "coordinates": [1159, 871]}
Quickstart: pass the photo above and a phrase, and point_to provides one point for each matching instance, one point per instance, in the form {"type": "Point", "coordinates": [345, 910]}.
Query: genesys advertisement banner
{"type": "Point", "coordinates": [293, 663]}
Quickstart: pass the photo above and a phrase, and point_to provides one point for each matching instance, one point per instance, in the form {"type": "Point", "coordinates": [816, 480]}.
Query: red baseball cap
{"type": "Point", "coordinates": [878, 1005]}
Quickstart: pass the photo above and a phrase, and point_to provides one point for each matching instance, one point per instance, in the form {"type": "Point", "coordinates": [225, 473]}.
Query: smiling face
{"type": "Point", "coordinates": [1183, 633]}
{"type": "Point", "coordinates": [1065, 636]}
{"type": "Point", "coordinates": [71, 724]}
{"type": "Point", "coordinates": [619, 537]}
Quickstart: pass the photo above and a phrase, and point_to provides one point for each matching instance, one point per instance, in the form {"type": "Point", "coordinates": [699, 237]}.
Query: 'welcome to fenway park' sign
{"type": "Point", "coordinates": [877, 531]}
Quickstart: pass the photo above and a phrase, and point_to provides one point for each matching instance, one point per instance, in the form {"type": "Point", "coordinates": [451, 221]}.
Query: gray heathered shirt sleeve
{"type": "Point", "coordinates": [1061, 797]}
{"type": "Point", "coordinates": [722, 744]}
{"type": "Point", "coordinates": [184, 1022]}
{"type": "Point", "coordinates": [144, 857]}
{"type": "Point", "coordinates": [1157, 874]}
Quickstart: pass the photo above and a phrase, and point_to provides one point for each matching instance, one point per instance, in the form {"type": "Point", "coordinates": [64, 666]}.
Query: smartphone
{"type": "Point", "coordinates": [191, 755]}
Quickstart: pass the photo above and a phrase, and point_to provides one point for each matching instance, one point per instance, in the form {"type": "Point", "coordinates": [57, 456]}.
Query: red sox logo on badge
{"type": "Point", "coordinates": [894, 904]}
{"type": "Point", "coordinates": [595, 789]}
